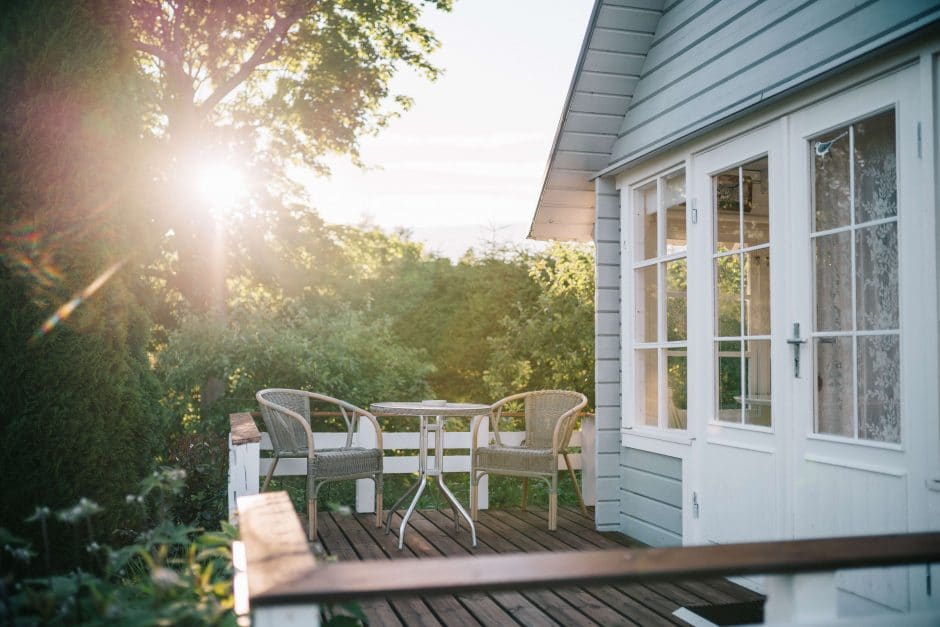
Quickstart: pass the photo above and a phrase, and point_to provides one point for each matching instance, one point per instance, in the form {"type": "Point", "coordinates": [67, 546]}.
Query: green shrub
{"type": "Point", "coordinates": [170, 575]}
{"type": "Point", "coordinates": [80, 405]}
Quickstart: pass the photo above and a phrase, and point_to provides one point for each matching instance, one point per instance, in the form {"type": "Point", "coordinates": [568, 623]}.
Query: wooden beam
{"type": "Point", "coordinates": [276, 548]}
{"type": "Point", "coordinates": [357, 580]}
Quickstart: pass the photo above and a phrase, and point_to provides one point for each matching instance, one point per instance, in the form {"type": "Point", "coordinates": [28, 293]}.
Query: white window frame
{"type": "Point", "coordinates": [661, 345]}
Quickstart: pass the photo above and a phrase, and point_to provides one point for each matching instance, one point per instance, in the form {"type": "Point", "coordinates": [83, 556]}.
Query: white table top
{"type": "Point", "coordinates": [418, 408]}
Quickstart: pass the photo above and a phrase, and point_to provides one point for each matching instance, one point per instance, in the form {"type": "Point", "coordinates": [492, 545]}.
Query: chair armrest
{"type": "Point", "coordinates": [561, 427]}
{"type": "Point", "coordinates": [378, 430]}
{"type": "Point", "coordinates": [475, 423]}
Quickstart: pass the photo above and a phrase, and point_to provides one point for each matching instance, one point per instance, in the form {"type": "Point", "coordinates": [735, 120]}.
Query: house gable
{"type": "Point", "coordinates": [653, 73]}
{"type": "Point", "coordinates": [619, 34]}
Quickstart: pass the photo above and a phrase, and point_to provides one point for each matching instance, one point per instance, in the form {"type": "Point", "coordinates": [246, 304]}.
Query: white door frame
{"type": "Point", "coordinates": [714, 438]}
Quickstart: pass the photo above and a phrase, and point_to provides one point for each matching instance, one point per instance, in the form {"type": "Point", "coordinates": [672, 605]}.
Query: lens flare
{"type": "Point", "coordinates": [63, 312]}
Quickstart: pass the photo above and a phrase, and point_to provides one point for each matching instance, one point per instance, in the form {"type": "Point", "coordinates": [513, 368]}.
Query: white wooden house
{"type": "Point", "coordinates": [760, 178]}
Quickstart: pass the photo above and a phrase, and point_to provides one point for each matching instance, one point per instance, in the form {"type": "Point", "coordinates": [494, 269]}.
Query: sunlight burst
{"type": "Point", "coordinates": [222, 186]}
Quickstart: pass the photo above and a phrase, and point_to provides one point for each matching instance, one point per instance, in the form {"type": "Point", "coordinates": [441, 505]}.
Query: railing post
{"type": "Point", "coordinates": [365, 488]}
{"type": "Point", "coordinates": [588, 461]}
{"type": "Point", "coordinates": [284, 615]}
{"type": "Point", "coordinates": [244, 459]}
{"type": "Point", "coordinates": [808, 598]}
{"type": "Point", "coordinates": [484, 435]}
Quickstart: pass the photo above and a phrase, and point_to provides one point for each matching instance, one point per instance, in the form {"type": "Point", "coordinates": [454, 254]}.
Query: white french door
{"type": "Point", "coordinates": [861, 250]}
{"type": "Point", "coordinates": [737, 347]}
{"type": "Point", "coordinates": [812, 329]}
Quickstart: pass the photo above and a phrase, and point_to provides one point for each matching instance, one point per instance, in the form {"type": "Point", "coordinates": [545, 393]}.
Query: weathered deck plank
{"type": "Point", "coordinates": [431, 534]}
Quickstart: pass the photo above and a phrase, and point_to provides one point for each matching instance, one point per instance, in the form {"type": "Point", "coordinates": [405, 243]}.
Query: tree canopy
{"type": "Point", "coordinates": [112, 262]}
{"type": "Point", "coordinates": [255, 86]}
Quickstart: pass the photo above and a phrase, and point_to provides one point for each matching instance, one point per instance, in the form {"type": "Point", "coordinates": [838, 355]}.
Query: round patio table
{"type": "Point", "coordinates": [431, 419]}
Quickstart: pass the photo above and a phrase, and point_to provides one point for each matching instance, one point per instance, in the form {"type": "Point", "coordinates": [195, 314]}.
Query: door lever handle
{"type": "Point", "coordinates": [796, 342]}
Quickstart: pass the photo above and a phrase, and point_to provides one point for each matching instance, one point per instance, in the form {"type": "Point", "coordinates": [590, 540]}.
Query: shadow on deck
{"type": "Point", "coordinates": [431, 534]}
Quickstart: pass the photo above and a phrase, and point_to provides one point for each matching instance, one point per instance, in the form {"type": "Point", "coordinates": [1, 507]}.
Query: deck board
{"type": "Point", "coordinates": [431, 534]}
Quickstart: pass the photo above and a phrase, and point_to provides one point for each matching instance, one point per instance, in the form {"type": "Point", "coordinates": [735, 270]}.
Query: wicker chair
{"type": "Point", "coordinates": [550, 416]}
{"type": "Point", "coordinates": [286, 415]}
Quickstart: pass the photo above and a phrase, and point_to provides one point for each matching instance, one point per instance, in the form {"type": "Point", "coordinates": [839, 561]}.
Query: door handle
{"type": "Point", "coordinates": [796, 342]}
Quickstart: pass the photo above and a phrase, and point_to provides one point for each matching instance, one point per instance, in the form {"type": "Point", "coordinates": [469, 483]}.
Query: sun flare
{"type": "Point", "coordinates": [221, 185]}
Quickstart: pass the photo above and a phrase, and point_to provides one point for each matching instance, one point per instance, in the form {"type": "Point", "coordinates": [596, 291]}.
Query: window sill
{"type": "Point", "coordinates": [837, 439]}
{"type": "Point", "coordinates": [677, 437]}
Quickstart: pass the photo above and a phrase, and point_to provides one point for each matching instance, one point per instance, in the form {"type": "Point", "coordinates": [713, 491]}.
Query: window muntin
{"type": "Point", "coordinates": [741, 265]}
{"type": "Point", "coordinates": [856, 334]}
{"type": "Point", "coordinates": [661, 302]}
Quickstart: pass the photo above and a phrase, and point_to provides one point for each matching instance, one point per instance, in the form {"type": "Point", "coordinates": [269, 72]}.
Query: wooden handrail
{"type": "Point", "coordinates": [243, 428]}
{"type": "Point", "coordinates": [271, 582]}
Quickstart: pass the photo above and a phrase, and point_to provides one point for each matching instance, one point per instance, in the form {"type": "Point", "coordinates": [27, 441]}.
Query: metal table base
{"type": "Point", "coordinates": [429, 424]}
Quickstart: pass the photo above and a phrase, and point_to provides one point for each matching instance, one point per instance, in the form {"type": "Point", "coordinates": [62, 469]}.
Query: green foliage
{"type": "Point", "coordinates": [547, 342]}
{"type": "Point", "coordinates": [339, 353]}
{"type": "Point", "coordinates": [81, 413]}
{"type": "Point", "coordinates": [265, 85]}
{"type": "Point", "coordinates": [170, 575]}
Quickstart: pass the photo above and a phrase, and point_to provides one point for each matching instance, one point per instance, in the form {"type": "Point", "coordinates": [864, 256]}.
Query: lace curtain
{"type": "Point", "coordinates": [856, 276]}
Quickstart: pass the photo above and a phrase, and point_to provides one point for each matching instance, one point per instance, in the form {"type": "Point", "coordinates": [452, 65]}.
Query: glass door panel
{"type": "Point", "coordinates": [856, 347]}
{"type": "Point", "coordinates": [741, 258]}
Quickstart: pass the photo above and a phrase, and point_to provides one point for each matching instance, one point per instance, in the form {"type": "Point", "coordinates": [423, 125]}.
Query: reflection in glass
{"type": "Point", "coordinates": [729, 386]}
{"type": "Point", "coordinates": [647, 314]}
{"type": "Point", "coordinates": [674, 204]}
{"type": "Point", "coordinates": [646, 216]}
{"type": "Point", "coordinates": [830, 153]}
{"type": "Point", "coordinates": [757, 383]}
{"type": "Point", "coordinates": [757, 292]}
{"type": "Point", "coordinates": [756, 203]}
{"type": "Point", "coordinates": [677, 377]}
{"type": "Point", "coordinates": [876, 194]}
{"type": "Point", "coordinates": [834, 382]}
{"type": "Point", "coordinates": [879, 388]}
{"type": "Point", "coordinates": [647, 391]}
{"type": "Point", "coordinates": [727, 192]}
{"type": "Point", "coordinates": [833, 282]}
{"type": "Point", "coordinates": [876, 279]}
{"type": "Point", "coordinates": [728, 295]}
{"type": "Point", "coordinates": [676, 300]}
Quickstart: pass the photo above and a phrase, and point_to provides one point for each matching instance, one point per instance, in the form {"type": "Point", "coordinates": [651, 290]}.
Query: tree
{"type": "Point", "coordinates": [81, 414]}
{"type": "Point", "coordinates": [548, 341]}
{"type": "Point", "coordinates": [267, 84]}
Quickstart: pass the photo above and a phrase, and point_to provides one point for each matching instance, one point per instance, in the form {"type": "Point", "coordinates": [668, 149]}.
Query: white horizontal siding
{"type": "Point", "coordinates": [651, 497]}
{"type": "Point", "coordinates": [608, 300]}
{"type": "Point", "coordinates": [600, 105]}
{"type": "Point", "coordinates": [713, 60]}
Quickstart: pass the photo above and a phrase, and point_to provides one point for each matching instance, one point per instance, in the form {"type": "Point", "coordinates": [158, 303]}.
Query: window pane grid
{"type": "Point", "coordinates": [659, 267]}
{"type": "Point", "coordinates": [855, 264]}
{"type": "Point", "coordinates": [741, 265]}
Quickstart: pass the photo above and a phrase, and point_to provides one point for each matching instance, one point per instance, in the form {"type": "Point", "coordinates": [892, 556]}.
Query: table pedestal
{"type": "Point", "coordinates": [429, 424]}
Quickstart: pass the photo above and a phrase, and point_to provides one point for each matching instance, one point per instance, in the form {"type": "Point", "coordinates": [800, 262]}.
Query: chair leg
{"type": "Point", "coordinates": [267, 477]}
{"type": "Point", "coordinates": [378, 503]}
{"type": "Point", "coordinates": [553, 504]}
{"type": "Point", "coordinates": [474, 495]}
{"type": "Point", "coordinates": [574, 480]}
{"type": "Point", "coordinates": [312, 513]}
{"type": "Point", "coordinates": [525, 493]}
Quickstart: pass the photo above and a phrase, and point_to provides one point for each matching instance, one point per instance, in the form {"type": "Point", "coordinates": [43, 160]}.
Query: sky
{"type": "Point", "coordinates": [465, 164]}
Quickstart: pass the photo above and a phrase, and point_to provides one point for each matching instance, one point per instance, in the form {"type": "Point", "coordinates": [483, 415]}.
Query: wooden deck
{"type": "Point", "coordinates": [431, 534]}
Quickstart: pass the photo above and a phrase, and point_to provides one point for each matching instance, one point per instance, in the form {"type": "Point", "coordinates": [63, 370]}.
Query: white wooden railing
{"type": "Point", "coordinates": [247, 466]}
